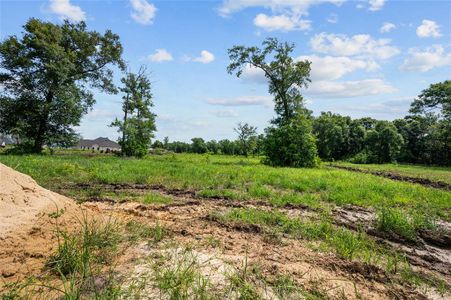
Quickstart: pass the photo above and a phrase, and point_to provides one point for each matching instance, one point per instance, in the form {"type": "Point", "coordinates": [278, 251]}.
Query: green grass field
{"type": "Point", "coordinates": [232, 177]}
{"type": "Point", "coordinates": [402, 211]}
{"type": "Point", "coordinates": [433, 173]}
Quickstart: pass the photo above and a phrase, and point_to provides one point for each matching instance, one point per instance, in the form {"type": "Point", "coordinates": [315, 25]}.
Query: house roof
{"type": "Point", "coordinates": [7, 139]}
{"type": "Point", "coordinates": [101, 142]}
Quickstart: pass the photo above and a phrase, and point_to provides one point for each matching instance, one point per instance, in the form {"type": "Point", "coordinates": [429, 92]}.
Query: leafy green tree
{"type": "Point", "coordinates": [47, 75]}
{"type": "Point", "coordinates": [291, 144]}
{"type": "Point", "coordinates": [138, 124]}
{"type": "Point", "coordinates": [435, 99]}
{"type": "Point", "coordinates": [213, 146]}
{"type": "Point", "coordinates": [332, 135]}
{"type": "Point", "coordinates": [286, 77]}
{"type": "Point", "coordinates": [246, 137]}
{"type": "Point", "coordinates": [165, 142]}
{"type": "Point", "coordinates": [228, 147]}
{"type": "Point", "coordinates": [198, 146]}
{"type": "Point", "coordinates": [384, 142]}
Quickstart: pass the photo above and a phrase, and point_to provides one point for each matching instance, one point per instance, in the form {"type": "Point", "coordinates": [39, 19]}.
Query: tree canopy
{"type": "Point", "coordinates": [47, 76]}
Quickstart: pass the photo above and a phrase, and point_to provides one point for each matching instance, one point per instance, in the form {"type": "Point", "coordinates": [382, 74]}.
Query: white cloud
{"type": "Point", "coordinates": [428, 28]}
{"type": "Point", "coordinates": [332, 67]}
{"type": "Point", "coordinates": [376, 5]}
{"type": "Point", "coordinates": [281, 22]}
{"type": "Point", "coordinates": [65, 10]}
{"type": "Point", "coordinates": [226, 113]}
{"type": "Point", "coordinates": [387, 27]}
{"type": "Point", "coordinates": [360, 44]}
{"type": "Point", "coordinates": [287, 14]}
{"type": "Point", "coordinates": [333, 18]}
{"type": "Point", "coordinates": [348, 89]}
{"type": "Point", "coordinates": [143, 11]}
{"type": "Point", "coordinates": [160, 55]}
{"type": "Point", "coordinates": [205, 57]}
{"type": "Point", "coordinates": [422, 61]}
{"type": "Point", "coordinates": [242, 101]}
{"type": "Point", "coordinates": [300, 7]}
{"type": "Point", "coordinates": [252, 74]}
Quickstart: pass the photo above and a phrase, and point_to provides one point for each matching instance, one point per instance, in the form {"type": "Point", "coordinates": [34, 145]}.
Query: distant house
{"type": "Point", "coordinates": [101, 144]}
{"type": "Point", "coordinates": [6, 140]}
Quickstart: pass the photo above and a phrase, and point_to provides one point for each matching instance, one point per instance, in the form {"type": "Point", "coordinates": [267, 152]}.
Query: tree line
{"type": "Point", "coordinates": [47, 77]}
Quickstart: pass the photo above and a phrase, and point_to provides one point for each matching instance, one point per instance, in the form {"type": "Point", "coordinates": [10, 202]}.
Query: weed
{"type": "Point", "coordinates": [140, 231]}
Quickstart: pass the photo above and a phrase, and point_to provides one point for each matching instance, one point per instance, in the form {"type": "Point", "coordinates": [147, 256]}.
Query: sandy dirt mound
{"type": "Point", "coordinates": [28, 224]}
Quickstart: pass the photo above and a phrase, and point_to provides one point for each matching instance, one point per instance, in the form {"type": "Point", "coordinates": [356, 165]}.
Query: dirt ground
{"type": "Point", "coordinates": [218, 247]}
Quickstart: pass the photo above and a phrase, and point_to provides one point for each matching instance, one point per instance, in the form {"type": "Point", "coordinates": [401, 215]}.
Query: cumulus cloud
{"type": "Point", "coordinates": [160, 55]}
{"type": "Point", "coordinates": [428, 28]}
{"type": "Point", "coordinates": [65, 10]}
{"type": "Point", "coordinates": [226, 113]}
{"type": "Point", "coordinates": [143, 11]}
{"type": "Point", "coordinates": [205, 57]}
{"type": "Point", "coordinates": [287, 14]}
{"type": "Point", "coordinates": [348, 89]}
{"type": "Point", "coordinates": [334, 67]}
{"type": "Point", "coordinates": [387, 27]}
{"type": "Point", "coordinates": [428, 59]}
{"type": "Point", "coordinates": [301, 7]}
{"type": "Point", "coordinates": [376, 5]}
{"type": "Point", "coordinates": [242, 101]}
{"type": "Point", "coordinates": [360, 44]}
{"type": "Point", "coordinates": [281, 23]}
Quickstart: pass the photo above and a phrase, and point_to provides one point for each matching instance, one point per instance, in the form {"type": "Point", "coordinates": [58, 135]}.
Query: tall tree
{"type": "Point", "coordinates": [138, 124]}
{"type": "Point", "coordinates": [285, 75]}
{"type": "Point", "coordinates": [47, 75]}
{"type": "Point", "coordinates": [286, 78]}
{"type": "Point", "coordinates": [246, 137]}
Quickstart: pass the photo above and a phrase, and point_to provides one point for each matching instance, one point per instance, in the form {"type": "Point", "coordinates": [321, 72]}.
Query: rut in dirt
{"type": "Point", "coordinates": [430, 251]}
{"type": "Point", "coordinates": [422, 181]}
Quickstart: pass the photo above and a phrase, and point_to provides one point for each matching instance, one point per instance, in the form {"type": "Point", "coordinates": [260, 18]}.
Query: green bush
{"type": "Point", "coordinates": [291, 144]}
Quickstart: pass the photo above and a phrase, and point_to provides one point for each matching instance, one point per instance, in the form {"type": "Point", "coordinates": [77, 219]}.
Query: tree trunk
{"type": "Point", "coordinates": [43, 122]}
{"type": "Point", "coordinates": [125, 125]}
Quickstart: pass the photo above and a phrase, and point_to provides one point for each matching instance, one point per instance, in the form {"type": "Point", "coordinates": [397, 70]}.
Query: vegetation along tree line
{"type": "Point", "coordinates": [47, 77]}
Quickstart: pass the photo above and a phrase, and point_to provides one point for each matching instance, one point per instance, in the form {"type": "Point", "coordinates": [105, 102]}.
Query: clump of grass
{"type": "Point", "coordinates": [93, 243]}
{"type": "Point", "coordinates": [139, 231]}
{"type": "Point", "coordinates": [241, 282]}
{"type": "Point", "coordinates": [156, 198]}
{"type": "Point", "coordinates": [178, 277]}
{"type": "Point", "coordinates": [403, 222]}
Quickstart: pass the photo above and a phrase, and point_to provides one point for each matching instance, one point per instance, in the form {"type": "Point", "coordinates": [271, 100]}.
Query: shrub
{"type": "Point", "coordinates": [291, 144]}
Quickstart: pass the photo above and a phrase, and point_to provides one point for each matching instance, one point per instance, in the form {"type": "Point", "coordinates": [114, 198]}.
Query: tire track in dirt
{"type": "Point", "coordinates": [187, 218]}
{"type": "Point", "coordinates": [423, 181]}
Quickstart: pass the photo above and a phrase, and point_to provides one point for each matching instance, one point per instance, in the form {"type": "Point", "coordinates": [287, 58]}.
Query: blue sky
{"type": "Point", "coordinates": [370, 58]}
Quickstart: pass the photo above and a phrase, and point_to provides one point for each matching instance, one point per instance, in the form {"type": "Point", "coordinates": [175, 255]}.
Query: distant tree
{"type": "Point", "coordinates": [198, 145]}
{"type": "Point", "coordinates": [138, 124]}
{"type": "Point", "coordinates": [179, 147]}
{"type": "Point", "coordinates": [332, 133]}
{"type": "Point", "coordinates": [46, 77]}
{"type": "Point", "coordinates": [246, 137]}
{"type": "Point", "coordinates": [228, 147]}
{"type": "Point", "coordinates": [165, 142]}
{"type": "Point", "coordinates": [384, 142]}
{"type": "Point", "coordinates": [286, 76]}
{"type": "Point", "coordinates": [213, 146]}
{"type": "Point", "coordinates": [157, 145]}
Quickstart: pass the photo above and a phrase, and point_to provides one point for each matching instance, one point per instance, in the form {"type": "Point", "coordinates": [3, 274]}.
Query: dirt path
{"type": "Point", "coordinates": [398, 177]}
